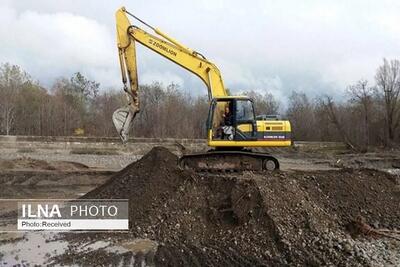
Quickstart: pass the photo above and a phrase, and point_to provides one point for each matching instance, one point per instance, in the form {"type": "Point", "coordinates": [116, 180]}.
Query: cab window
{"type": "Point", "coordinates": [244, 110]}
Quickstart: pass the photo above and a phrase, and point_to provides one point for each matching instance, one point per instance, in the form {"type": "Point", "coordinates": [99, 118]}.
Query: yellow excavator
{"type": "Point", "coordinates": [232, 128]}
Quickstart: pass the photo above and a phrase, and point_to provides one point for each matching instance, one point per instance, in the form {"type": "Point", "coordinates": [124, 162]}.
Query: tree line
{"type": "Point", "coordinates": [367, 115]}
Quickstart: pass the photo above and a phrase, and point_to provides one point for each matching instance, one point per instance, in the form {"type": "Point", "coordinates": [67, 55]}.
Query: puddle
{"type": "Point", "coordinates": [94, 246]}
{"type": "Point", "coordinates": [40, 248]}
{"type": "Point", "coordinates": [34, 248]}
{"type": "Point", "coordinates": [140, 245]}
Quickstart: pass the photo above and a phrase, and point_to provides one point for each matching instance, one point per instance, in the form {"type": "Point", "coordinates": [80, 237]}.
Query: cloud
{"type": "Point", "coordinates": [315, 46]}
{"type": "Point", "coordinates": [58, 44]}
{"type": "Point", "coordinates": [164, 78]}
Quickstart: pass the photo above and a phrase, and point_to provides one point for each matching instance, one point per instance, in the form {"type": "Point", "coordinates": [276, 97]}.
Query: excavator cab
{"type": "Point", "coordinates": [232, 119]}
{"type": "Point", "coordinates": [242, 129]}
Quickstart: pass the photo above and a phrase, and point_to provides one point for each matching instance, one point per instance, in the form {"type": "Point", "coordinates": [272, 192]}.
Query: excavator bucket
{"type": "Point", "coordinates": [122, 119]}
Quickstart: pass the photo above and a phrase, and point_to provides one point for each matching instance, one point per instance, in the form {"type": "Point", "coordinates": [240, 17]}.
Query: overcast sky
{"type": "Point", "coordinates": [279, 46]}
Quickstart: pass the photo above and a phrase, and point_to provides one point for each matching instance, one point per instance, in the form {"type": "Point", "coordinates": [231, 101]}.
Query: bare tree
{"type": "Point", "coordinates": [30, 109]}
{"type": "Point", "coordinates": [12, 78]}
{"type": "Point", "coordinates": [331, 111]}
{"type": "Point", "coordinates": [388, 82]}
{"type": "Point", "coordinates": [101, 112]}
{"type": "Point", "coordinates": [300, 112]}
{"type": "Point", "coordinates": [362, 94]}
{"type": "Point", "coordinates": [28, 112]}
{"type": "Point", "coordinates": [264, 103]}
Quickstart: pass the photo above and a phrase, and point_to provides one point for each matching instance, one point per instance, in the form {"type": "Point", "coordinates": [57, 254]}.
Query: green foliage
{"type": "Point", "coordinates": [26, 150]}
{"type": "Point", "coordinates": [83, 87]}
{"type": "Point", "coordinates": [93, 151]}
{"type": "Point", "coordinates": [12, 76]}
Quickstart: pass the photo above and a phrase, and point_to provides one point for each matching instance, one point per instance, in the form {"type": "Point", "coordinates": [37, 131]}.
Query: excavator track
{"type": "Point", "coordinates": [228, 161]}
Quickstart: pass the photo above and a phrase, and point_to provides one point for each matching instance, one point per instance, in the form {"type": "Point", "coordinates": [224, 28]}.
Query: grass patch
{"type": "Point", "coordinates": [93, 151]}
{"type": "Point", "coordinates": [26, 150]}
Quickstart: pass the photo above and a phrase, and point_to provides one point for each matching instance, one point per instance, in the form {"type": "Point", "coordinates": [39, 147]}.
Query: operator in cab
{"type": "Point", "coordinates": [227, 128]}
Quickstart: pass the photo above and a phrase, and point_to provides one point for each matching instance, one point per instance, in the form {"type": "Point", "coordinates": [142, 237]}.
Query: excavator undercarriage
{"type": "Point", "coordinates": [228, 161]}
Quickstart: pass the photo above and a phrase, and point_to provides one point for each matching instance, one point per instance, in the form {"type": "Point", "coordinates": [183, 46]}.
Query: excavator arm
{"type": "Point", "coordinates": [162, 44]}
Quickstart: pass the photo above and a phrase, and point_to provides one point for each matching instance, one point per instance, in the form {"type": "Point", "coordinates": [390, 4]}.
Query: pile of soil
{"type": "Point", "coordinates": [349, 193]}
{"type": "Point", "coordinates": [249, 219]}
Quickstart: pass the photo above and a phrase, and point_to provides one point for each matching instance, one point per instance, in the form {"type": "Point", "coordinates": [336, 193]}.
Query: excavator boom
{"type": "Point", "coordinates": [128, 35]}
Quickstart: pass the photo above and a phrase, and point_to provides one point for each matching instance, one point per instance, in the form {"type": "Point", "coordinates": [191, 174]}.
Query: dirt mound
{"type": "Point", "coordinates": [251, 218]}
{"type": "Point", "coordinates": [190, 214]}
{"type": "Point", "coordinates": [348, 193]}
